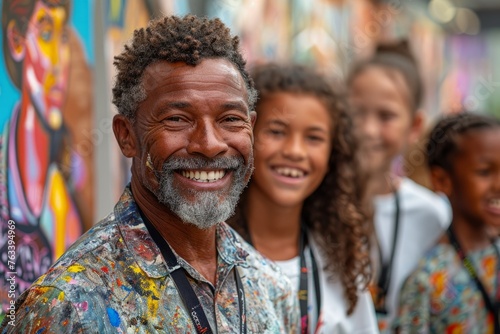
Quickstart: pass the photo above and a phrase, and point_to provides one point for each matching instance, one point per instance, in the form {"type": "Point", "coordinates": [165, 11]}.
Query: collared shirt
{"type": "Point", "coordinates": [441, 297]}
{"type": "Point", "coordinates": [114, 280]}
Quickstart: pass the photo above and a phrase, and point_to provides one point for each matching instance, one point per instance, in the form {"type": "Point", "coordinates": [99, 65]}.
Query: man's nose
{"type": "Point", "coordinates": [206, 140]}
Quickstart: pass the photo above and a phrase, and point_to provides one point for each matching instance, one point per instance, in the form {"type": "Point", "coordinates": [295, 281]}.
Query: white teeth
{"type": "Point", "coordinates": [204, 176]}
{"type": "Point", "coordinates": [292, 172]}
{"type": "Point", "coordinates": [495, 203]}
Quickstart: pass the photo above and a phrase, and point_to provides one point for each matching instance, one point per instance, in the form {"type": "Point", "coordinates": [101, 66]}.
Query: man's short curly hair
{"type": "Point", "coordinates": [187, 39]}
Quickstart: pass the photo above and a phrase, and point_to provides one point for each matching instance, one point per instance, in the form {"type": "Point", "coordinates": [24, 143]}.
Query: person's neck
{"type": "Point", "coordinates": [274, 229]}
{"type": "Point", "coordinates": [382, 183]}
{"type": "Point", "coordinates": [471, 237]}
{"type": "Point", "coordinates": [196, 246]}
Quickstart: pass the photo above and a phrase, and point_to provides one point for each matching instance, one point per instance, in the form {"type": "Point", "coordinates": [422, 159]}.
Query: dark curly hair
{"type": "Point", "coordinates": [334, 211]}
{"type": "Point", "coordinates": [442, 141]}
{"type": "Point", "coordinates": [187, 39]}
{"type": "Point", "coordinates": [395, 56]}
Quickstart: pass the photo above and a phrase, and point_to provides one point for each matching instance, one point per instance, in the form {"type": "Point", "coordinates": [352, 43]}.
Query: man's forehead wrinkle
{"type": "Point", "coordinates": [195, 77]}
{"type": "Point", "coordinates": [192, 84]}
{"type": "Point", "coordinates": [179, 103]}
{"type": "Point", "coordinates": [228, 72]}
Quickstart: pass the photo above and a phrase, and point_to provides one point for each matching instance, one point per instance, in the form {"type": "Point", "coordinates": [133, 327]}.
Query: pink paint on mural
{"type": "Point", "coordinates": [44, 178]}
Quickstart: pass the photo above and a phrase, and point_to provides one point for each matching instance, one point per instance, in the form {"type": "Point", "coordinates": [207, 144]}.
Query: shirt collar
{"type": "Point", "coordinates": [147, 254]}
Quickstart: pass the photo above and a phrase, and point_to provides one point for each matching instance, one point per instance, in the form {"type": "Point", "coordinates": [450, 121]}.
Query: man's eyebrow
{"type": "Point", "coordinates": [235, 105]}
{"type": "Point", "coordinates": [231, 105]}
{"type": "Point", "coordinates": [177, 105]}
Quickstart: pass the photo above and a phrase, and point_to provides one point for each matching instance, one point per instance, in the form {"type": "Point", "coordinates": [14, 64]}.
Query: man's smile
{"type": "Point", "coordinates": [203, 175]}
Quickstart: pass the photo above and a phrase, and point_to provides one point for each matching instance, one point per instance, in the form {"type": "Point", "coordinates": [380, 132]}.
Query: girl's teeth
{"type": "Point", "coordinates": [291, 172]}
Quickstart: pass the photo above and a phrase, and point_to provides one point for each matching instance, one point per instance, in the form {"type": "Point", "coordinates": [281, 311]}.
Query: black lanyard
{"type": "Point", "coordinates": [303, 280]}
{"type": "Point", "coordinates": [195, 309]}
{"type": "Point", "coordinates": [492, 306]}
{"type": "Point", "coordinates": [304, 285]}
{"type": "Point", "coordinates": [384, 279]}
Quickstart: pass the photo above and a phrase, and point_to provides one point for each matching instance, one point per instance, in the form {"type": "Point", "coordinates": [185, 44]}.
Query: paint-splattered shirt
{"type": "Point", "coordinates": [114, 280]}
{"type": "Point", "coordinates": [441, 297]}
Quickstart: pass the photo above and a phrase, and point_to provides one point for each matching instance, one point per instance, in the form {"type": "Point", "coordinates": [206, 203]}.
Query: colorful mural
{"type": "Point", "coordinates": [46, 153]}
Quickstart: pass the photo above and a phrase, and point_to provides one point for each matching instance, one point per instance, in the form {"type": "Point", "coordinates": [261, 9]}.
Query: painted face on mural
{"type": "Point", "coordinates": [46, 62]}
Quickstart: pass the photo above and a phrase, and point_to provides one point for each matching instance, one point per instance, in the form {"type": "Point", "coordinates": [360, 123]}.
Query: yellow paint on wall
{"type": "Point", "coordinates": [60, 205]}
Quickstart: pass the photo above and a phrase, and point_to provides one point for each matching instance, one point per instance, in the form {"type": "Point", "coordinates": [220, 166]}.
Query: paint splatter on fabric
{"type": "Point", "coordinates": [114, 280]}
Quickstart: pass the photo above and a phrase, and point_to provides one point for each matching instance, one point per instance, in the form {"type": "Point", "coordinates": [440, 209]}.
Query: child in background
{"type": "Point", "coordinates": [456, 287]}
{"type": "Point", "coordinates": [385, 94]}
{"type": "Point", "coordinates": [302, 208]}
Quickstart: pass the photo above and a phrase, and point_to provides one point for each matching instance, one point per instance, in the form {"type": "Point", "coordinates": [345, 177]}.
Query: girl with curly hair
{"type": "Point", "coordinates": [303, 206]}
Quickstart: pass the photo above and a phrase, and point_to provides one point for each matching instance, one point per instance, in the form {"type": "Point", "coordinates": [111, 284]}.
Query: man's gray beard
{"type": "Point", "coordinates": [207, 208]}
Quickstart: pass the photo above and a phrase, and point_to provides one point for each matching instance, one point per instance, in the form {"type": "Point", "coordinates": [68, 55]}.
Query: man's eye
{"type": "Point", "coordinates": [174, 119]}
{"type": "Point", "coordinates": [232, 119]}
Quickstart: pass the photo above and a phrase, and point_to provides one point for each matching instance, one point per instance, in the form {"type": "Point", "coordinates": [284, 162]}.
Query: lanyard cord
{"type": "Point", "coordinates": [303, 280]}
{"type": "Point", "coordinates": [492, 307]}
{"type": "Point", "coordinates": [386, 271]}
{"type": "Point", "coordinates": [185, 289]}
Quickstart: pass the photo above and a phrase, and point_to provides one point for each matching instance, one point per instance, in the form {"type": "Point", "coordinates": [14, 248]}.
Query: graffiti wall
{"type": "Point", "coordinates": [46, 178]}
{"type": "Point", "coordinates": [122, 18]}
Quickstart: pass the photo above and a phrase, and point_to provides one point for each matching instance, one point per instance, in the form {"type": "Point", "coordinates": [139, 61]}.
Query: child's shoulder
{"type": "Point", "coordinates": [438, 260]}
{"type": "Point", "coordinates": [420, 199]}
{"type": "Point", "coordinates": [412, 190]}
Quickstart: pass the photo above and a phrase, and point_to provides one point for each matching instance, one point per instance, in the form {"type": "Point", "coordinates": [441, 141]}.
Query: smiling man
{"type": "Point", "coordinates": [164, 261]}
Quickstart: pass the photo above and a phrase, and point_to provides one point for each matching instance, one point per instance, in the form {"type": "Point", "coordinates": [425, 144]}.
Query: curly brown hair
{"type": "Point", "coordinates": [334, 211]}
{"type": "Point", "coordinates": [187, 39]}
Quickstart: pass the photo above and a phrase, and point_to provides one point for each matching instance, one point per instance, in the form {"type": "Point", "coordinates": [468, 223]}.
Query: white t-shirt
{"type": "Point", "coordinates": [424, 216]}
{"type": "Point", "coordinates": [334, 319]}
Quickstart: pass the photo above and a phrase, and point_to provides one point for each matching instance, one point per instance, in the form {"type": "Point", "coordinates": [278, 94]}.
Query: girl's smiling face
{"type": "Point", "coordinates": [383, 116]}
{"type": "Point", "coordinates": [475, 178]}
{"type": "Point", "coordinates": [293, 136]}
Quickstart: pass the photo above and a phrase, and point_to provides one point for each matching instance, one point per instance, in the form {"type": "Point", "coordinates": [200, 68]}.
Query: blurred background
{"type": "Point", "coordinates": [456, 43]}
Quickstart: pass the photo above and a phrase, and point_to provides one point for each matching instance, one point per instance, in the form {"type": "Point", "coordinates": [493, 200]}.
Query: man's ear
{"type": "Point", "coordinates": [441, 180]}
{"type": "Point", "coordinates": [253, 117]}
{"type": "Point", "coordinates": [125, 135]}
{"type": "Point", "coordinates": [15, 41]}
{"type": "Point", "coordinates": [417, 126]}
